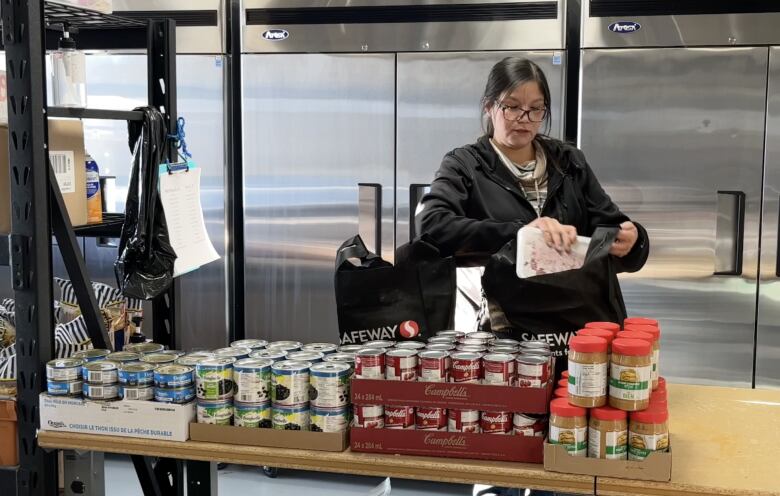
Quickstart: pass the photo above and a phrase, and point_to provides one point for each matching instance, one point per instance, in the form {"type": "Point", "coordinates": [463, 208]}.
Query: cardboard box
{"type": "Point", "coordinates": [506, 448]}
{"type": "Point", "coordinates": [656, 467]}
{"type": "Point", "coordinates": [66, 151]}
{"type": "Point", "coordinates": [5, 183]}
{"type": "Point", "coordinates": [272, 438]}
{"type": "Point", "coordinates": [451, 395]}
{"type": "Point", "coordinates": [9, 430]}
{"type": "Point", "coordinates": [144, 419]}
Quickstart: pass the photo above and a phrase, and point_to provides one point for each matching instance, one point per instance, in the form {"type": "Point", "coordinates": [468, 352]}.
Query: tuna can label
{"type": "Point", "coordinates": [499, 369]}
{"type": "Point", "coordinates": [526, 425]}
{"type": "Point", "coordinates": [101, 392]}
{"type": "Point", "coordinates": [291, 419]}
{"type": "Point", "coordinates": [66, 369]}
{"type": "Point", "coordinates": [370, 416]}
{"type": "Point", "coordinates": [370, 364]}
{"type": "Point", "coordinates": [100, 373]}
{"type": "Point", "coordinates": [433, 366]}
{"type": "Point", "coordinates": [214, 379]}
{"type": "Point", "coordinates": [170, 376]}
{"type": "Point", "coordinates": [140, 393]}
{"type": "Point", "coordinates": [401, 365]}
{"type": "Point", "coordinates": [253, 380]}
{"type": "Point", "coordinates": [257, 415]}
{"type": "Point", "coordinates": [178, 396]}
{"type": "Point", "coordinates": [215, 412]}
{"type": "Point", "coordinates": [466, 367]}
{"type": "Point", "coordinates": [64, 388]}
{"type": "Point", "coordinates": [329, 385]}
{"type": "Point", "coordinates": [496, 422]}
{"type": "Point", "coordinates": [290, 383]}
{"type": "Point", "coordinates": [329, 420]}
{"type": "Point", "coordinates": [399, 417]}
{"type": "Point", "coordinates": [136, 374]}
{"type": "Point", "coordinates": [463, 421]}
{"type": "Point", "coordinates": [431, 419]}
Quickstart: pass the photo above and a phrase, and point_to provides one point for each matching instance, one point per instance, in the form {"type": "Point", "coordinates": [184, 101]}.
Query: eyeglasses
{"type": "Point", "coordinates": [516, 113]}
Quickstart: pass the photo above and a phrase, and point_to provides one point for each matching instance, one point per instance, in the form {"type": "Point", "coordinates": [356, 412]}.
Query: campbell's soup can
{"type": "Point", "coordinates": [532, 370]}
{"type": "Point", "coordinates": [369, 416]}
{"type": "Point", "coordinates": [401, 365]}
{"type": "Point", "coordinates": [498, 369]}
{"type": "Point", "coordinates": [370, 364]}
{"type": "Point", "coordinates": [431, 419]}
{"type": "Point", "coordinates": [527, 424]}
{"type": "Point", "coordinates": [469, 341]}
{"type": "Point", "coordinates": [466, 367]}
{"type": "Point", "coordinates": [481, 348]}
{"type": "Point", "coordinates": [463, 421]}
{"type": "Point", "coordinates": [442, 340]}
{"type": "Point", "coordinates": [541, 352]}
{"type": "Point", "coordinates": [505, 342]}
{"type": "Point", "coordinates": [433, 366]}
{"type": "Point", "coordinates": [451, 334]}
{"type": "Point", "coordinates": [410, 345]}
{"type": "Point", "coordinates": [399, 417]}
{"type": "Point", "coordinates": [487, 337]}
{"type": "Point", "coordinates": [496, 422]}
{"type": "Point", "coordinates": [441, 347]}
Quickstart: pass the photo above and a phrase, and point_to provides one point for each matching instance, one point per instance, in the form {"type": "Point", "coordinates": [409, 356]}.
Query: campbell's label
{"type": "Point", "coordinates": [399, 417]}
{"type": "Point", "coordinates": [444, 442]}
{"type": "Point", "coordinates": [463, 421]}
{"type": "Point", "coordinates": [446, 392]}
{"type": "Point", "coordinates": [432, 419]}
{"type": "Point", "coordinates": [498, 372]}
{"type": "Point", "coordinates": [370, 366]}
{"type": "Point", "coordinates": [466, 367]}
{"type": "Point", "coordinates": [434, 367]}
{"type": "Point", "coordinates": [496, 422]}
{"type": "Point", "coordinates": [370, 416]}
{"type": "Point", "coordinates": [401, 367]}
{"type": "Point", "coordinates": [408, 329]}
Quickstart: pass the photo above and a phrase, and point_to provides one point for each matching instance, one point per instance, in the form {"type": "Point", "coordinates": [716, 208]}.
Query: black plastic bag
{"type": "Point", "coordinates": [144, 267]}
{"type": "Point", "coordinates": [552, 307]}
{"type": "Point", "coordinates": [377, 300]}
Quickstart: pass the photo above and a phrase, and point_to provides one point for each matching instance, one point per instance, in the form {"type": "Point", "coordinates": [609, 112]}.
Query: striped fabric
{"type": "Point", "coordinates": [104, 294]}
{"type": "Point", "coordinates": [9, 304]}
{"type": "Point", "coordinates": [8, 364]}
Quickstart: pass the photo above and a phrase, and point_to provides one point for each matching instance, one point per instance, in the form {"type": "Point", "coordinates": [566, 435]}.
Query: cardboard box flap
{"type": "Point", "coordinates": [272, 438]}
{"type": "Point", "coordinates": [656, 467]}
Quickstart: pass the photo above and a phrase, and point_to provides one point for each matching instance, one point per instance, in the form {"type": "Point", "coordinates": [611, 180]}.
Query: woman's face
{"type": "Point", "coordinates": [513, 127]}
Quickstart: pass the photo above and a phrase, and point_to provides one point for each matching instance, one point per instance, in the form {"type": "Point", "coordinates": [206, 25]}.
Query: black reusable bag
{"type": "Point", "coordinates": [552, 307]}
{"type": "Point", "coordinates": [377, 300]}
{"type": "Point", "coordinates": [144, 266]}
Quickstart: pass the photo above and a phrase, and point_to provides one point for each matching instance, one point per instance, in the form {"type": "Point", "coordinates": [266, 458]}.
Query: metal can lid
{"type": "Point", "coordinates": [536, 351]}
{"type": "Point", "coordinates": [93, 353]}
{"type": "Point", "coordinates": [137, 367]}
{"type": "Point", "coordinates": [433, 354]}
{"type": "Point", "coordinates": [350, 348]}
{"type": "Point", "coordinates": [473, 349]}
{"type": "Point", "coordinates": [124, 356]}
{"type": "Point", "coordinates": [305, 356]}
{"type": "Point", "coordinates": [481, 335]}
{"type": "Point", "coordinates": [401, 352]}
{"type": "Point", "coordinates": [216, 362]}
{"type": "Point", "coordinates": [285, 344]}
{"type": "Point", "coordinates": [442, 339]}
{"type": "Point", "coordinates": [157, 358]}
{"type": "Point", "coordinates": [318, 346]}
{"type": "Point", "coordinates": [473, 342]}
{"type": "Point", "coordinates": [331, 367]}
{"type": "Point", "coordinates": [190, 360]}
{"type": "Point", "coordinates": [504, 349]}
{"type": "Point", "coordinates": [144, 347]}
{"type": "Point", "coordinates": [410, 345]}
{"type": "Point", "coordinates": [506, 342]}
{"type": "Point", "coordinates": [173, 370]}
{"type": "Point", "coordinates": [291, 365]}
{"type": "Point", "coordinates": [450, 332]}
{"type": "Point", "coordinates": [268, 353]}
{"type": "Point", "coordinates": [340, 357]}
{"type": "Point", "coordinates": [441, 347]}
{"type": "Point", "coordinates": [380, 343]}
{"type": "Point", "coordinates": [498, 357]}
{"type": "Point", "coordinates": [100, 366]}
{"type": "Point", "coordinates": [175, 353]}
{"type": "Point", "coordinates": [466, 355]}
{"type": "Point", "coordinates": [535, 344]}
{"type": "Point", "coordinates": [370, 352]}
{"type": "Point", "coordinates": [249, 343]}
{"type": "Point", "coordinates": [253, 363]}
{"type": "Point", "coordinates": [232, 351]}
{"type": "Point", "coordinates": [65, 363]}
{"type": "Point", "coordinates": [531, 359]}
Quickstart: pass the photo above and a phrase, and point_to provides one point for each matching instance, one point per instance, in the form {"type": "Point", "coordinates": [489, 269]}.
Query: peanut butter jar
{"type": "Point", "coordinates": [608, 433]}
{"type": "Point", "coordinates": [648, 431]}
{"type": "Point", "coordinates": [569, 427]}
{"type": "Point", "coordinates": [588, 371]}
{"type": "Point", "coordinates": [610, 326]}
{"type": "Point", "coordinates": [599, 333]}
{"type": "Point", "coordinates": [630, 374]}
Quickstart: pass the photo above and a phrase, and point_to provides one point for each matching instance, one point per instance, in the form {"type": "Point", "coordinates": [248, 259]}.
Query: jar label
{"type": "Point", "coordinates": [641, 445]}
{"type": "Point", "coordinates": [588, 379]}
{"type": "Point", "coordinates": [574, 440]}
{"type": "Point", "coordinates": [630, 383]}
{"type": "Point", "coordinates": [656, 356]}
{"type": "Point", "coordinates": [616, 444]}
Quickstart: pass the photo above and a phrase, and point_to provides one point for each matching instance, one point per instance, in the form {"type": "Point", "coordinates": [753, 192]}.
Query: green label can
{"type": "Point", "coordinates": [291, 418]}
{"type": "Point", "coordinates": [215, 412]}
{"type": "Point", "coordinates": [290, 383]}
{"type": "Point", "coordinates": [252, 377]}
{"type": "Point", "coordinates": [329, 419]}
{"type": "Point", "coordinates": [257, 415]}
{"type": "Point", "coordinates": [214, 379]}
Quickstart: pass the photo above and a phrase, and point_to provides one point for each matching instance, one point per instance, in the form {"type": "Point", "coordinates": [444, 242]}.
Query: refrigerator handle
{"type": "Point", "coordinates": [730, 233]}
{"type": "Point", "coordinates": [416, 192]}
{"type": "Point", "coordinates": [370, 215]}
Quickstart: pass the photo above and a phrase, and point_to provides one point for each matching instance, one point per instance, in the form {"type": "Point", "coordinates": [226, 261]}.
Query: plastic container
{"type": "Point", "coordinates": [630, 374]}
{"type": "Point", "coordinates": [569, 427]}
{"type": "Point", "coordinates": [69, 74]}
{"type": "Point", "coordinates": [610, 326]}
{"type": "Point", "coordinates": [599, 333]}
{"type": "Point", "coordinates": [648, 431]}
{"type": "Point", "coordinates": [656, 333]}
{"type": "Point", "coordinates": [588, 364]}
{"type": "Point", "coordinates": [9, 434]}
{"type": "Point", "coordinates": [653, 340]}
{"type": "Point", "coordinates": [608, 433]}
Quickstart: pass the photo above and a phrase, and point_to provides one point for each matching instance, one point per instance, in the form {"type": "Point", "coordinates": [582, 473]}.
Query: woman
{"type": "Point", "coordinates": [517, 176]}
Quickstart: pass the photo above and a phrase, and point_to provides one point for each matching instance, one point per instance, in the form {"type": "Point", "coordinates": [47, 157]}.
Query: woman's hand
{"type": "Point", "coordinates": [625, 240]}
{"type": "Point", "coordinates": [557, 235]}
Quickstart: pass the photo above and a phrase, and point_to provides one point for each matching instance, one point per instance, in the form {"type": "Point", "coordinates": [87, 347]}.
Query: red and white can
{"type": "Point", "coordinates": [469, 341]}
{"type": "Point", "coordinates": [505, 342]}
{"type": "Point", "coordinates": [381, 344]}
{"type": "Point", "coordinates": [512, 350]}
{"type": "Point", "coordinates": [410, 345]}
{"type": "Point", "coordinates": [442, 340]}
{"type": "Point", "coordinates": [369, 416]}
{"type": "Point", "coordinates": [466, 367]}
{"type": "Point", "coordinates": [496, 422]}
{"type": "Point", "coordinates": [452, 334]}
{"type": "Point", "coordinates": [498, 369]}
{"type": "Point", "coordinates": [487, 337]}
{"type": "Point", "coordinates": [431, 419]}
{"type": "Point", "coordinates": [532, 370]}
{"type": "Point", "coordinates": [401, 365]}
{"type": "Point", "coordinates": [434, 366]}
{"type": "Point", "coordinates": [463, 421]}
{"type": "Point", "coordinates": [526, 424]}
{"type": "Point", "coordinates": [399, 417]}
{"type": "Point", "coordinates": [481, 348]}
{"type": "Point", "coordinates": [441, 347]}
{"type": "Point", "coordinates": [370, 364]}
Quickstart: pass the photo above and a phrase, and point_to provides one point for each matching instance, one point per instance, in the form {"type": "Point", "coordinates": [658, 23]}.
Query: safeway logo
{"type": "Point", "coordinates": [625, 27]}
{"type": "Point", "coordinates": [276, 35]}
{"type": "Point", "coordinates": [409, 329]}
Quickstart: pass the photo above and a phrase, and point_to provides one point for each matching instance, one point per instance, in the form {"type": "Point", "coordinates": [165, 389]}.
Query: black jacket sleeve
{"type": "Point", "coordinates": [442, 215]}
{"type": "Point", "coordinates": [603, 211]}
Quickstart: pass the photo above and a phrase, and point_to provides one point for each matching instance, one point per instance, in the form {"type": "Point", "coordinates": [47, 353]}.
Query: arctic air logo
{"type": "Point", "coordinates": [409, 329]}
{"type": "Point", "coordinates": [625, 27]}
{"type": "Point", "coordinates": [276, 35]}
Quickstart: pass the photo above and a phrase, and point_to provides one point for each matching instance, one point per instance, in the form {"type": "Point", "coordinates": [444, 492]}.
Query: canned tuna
{"type": "Point", "coordinates": [214, 378]}
{"type": "Point", "coordinates": [215, 412]}
{"type": "Point", "coordinates": [399, 417]}
{"type": "Point", "coordinates": [172, 376]}
{"type": "Point", "coordinates": [232, 352]}
{"type": "Point", "coordinates": [499, 369]}
{"type": "Point", "coordinates": [290, 383]}
{"type": "Point", "coordinates": [434, 366]}
{"type": "Point", "coordinates": [466, 367]}
{"type": "Point", "coordinates": [252, 377]}
{"type": "Point", "coordinates": [370, 416]}
{"type": "Point", "coordinates": [526, 424]}
{"type": "Point", "coordinates": [324, 348]}
{"type": "Point", "coordinates": [179, 396]}
{"type": "Point", "coordinates": [64, 369]}
{"type": "Point", "coordinates": [144, 348]}
{"type": "Point", "coordinates": [496, 422]}
{"type": "Point", "coordinates": [306, 356]}
{"type": "Point", "coordinates": [370, 364]}
{"type": "Point", "coordinates": [136, 374]}
{"type": "Point", "coordinates": [140, 393]}
{"type": "Point", "coordinates": [329, 385]}
{"type": "Point", "coordinates": [329, 419]}
{"type": "Point", "coordinates": [101, 391]}
{"type": "Point", "coordinates": [252, 344]}
{"type": "Point", "coordinates": [91, 355]}
{"type": "Point", "coordinates": [431, 419]}
{"type": "Point", "coordinates": [158, 358]}
{"type": "Point", "coordinates": [64, 388]}
{"type": "Point", "coordinates": [463, 421]}
{"type": "Point", "coordinates": [295, 418]}
{"type": "Point", "coordinates": [124, 357]}
{"type": "Point", "coordinates": [401, 365]}
{"type": "Point", "coordinates": [99, 372]}
{"type": "Point", "coordinates": [257, 415]}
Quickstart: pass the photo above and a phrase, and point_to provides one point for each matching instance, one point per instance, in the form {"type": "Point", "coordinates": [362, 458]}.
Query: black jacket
{"type": "Point", "coordinates": [475, 206]}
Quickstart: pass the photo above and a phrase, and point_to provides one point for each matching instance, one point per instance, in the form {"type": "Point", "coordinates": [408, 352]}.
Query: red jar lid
{"type": "Point", "coordinates": [564, 382]}
{"type": "Point", "coordinates": [599, 333]}
{"type": "Point", "coordinates": [588, 344]}
{"type": "Point", "coordinates": [608, 413]}
{"type": "Point", "coordinates": [645, 336]}
{"type": "Point", "coordinates": [641, 320]}
{"type": "Point", "coordinates": [658, 399]}
{"type": "Point", "coordinates": [655, 414]}
{"type": "Point", "coordinates": [661, 384]}
{"type": "Point", "coordinates": [650, 329]}
{"type": "Point", "coordinates": [610, 326]}
{"type": "Point", "coordinates": [565, 374]}
{"type": "Point", "coordinates": [561, 406]}
{"type": "Point", "coordinates": [561, 392]}
{"type": "Point", "coordinates": [632, 347]}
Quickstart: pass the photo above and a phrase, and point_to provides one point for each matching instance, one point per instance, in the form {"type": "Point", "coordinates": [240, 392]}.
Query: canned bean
{"type": "Point", "coordinates": [329, 419]}
{"type": "Point", "coordinates": [290, 383]}
{"type": "Point", "coordinates": [252, 377]}
{"type": "Point", "coordinates": [218, 412]}
{"type": "Point", "coordinates": [329, 385]}
{"type": "Point", "coordinates": [256, 415]}
{"type": "Point", "coordinates": [294, 418]}
{"type": "Point", "coordinates": [214, 378]}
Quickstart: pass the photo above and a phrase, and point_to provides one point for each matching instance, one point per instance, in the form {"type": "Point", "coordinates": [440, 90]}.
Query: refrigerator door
{"type": "Point", "coordinates": [768, 332]}
{"type": "Point", "coordinates": [315, 127]}
{"type": "Point", "coordinates": [676, 137]}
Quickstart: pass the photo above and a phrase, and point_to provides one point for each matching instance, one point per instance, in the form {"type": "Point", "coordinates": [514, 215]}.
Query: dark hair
{"type": "Point", "coordinates": [504, 77]}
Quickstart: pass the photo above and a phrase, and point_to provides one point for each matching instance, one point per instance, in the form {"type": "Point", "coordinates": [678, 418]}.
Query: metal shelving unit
{"type": "Point", "coordinates": [28, 27]}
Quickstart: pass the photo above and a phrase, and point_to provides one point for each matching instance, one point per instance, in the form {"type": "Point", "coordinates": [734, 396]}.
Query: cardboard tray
{"type": "Point", "coordinates": [656, 467]}
{"type": "Point", "coordinates": [451, 395]}
{"type": "Point", "coordinates": [507, 448]}
{"type": "Point", "coordinates": [272, 438]}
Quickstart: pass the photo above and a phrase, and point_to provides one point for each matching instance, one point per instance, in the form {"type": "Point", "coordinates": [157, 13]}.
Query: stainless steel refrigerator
{"type": "Point", "coordinates": [679, 119]}
{"type": "Point", "coordinates": [349, 107]}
